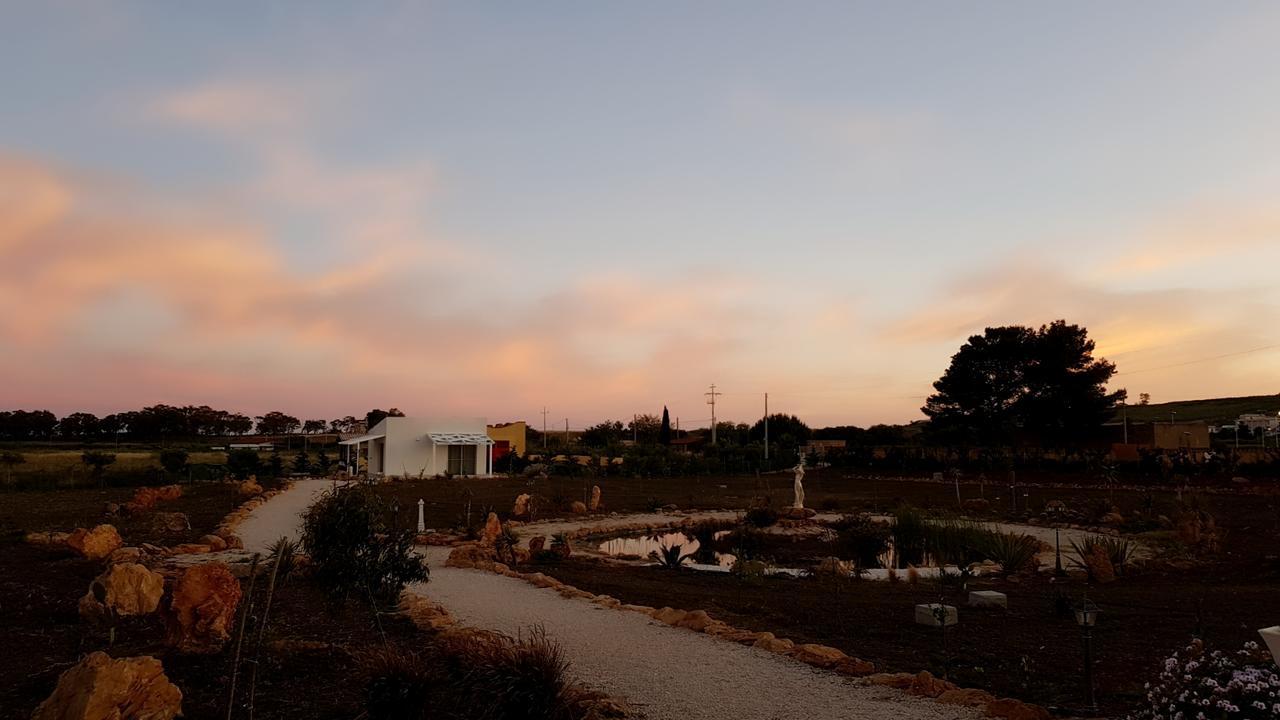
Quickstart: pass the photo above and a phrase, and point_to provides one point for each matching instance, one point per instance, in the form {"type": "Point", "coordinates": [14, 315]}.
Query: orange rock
{"type": "Point", "coordinates": [819, 655]}
{"type": "Point", "coordinates": [697, 621]}
{"type": "Point", "coordinates": [901, 681]}
{"type": "Point", "coordinates": [927, 685]}
{"type": "Point", "coordinates": [492, 529]}
{"type": "Point", "coordinates": [102, 688]}
{"type": "Point", "coordinates": [97, 543]}
{"type": "Point", "coordinates": [578, 508]}
{"type": "Point", "coordinates": [471, 556]}
{"type": "Point", "coordinates": [670, 616]}
{"type": "Point", "coordinates": [595, 499]}
{"type": "Point", "coordinates": [202, 609]}
{"type": "Point", "coordinates": [1011, 709]}
{"type": "Point", "coordinates": [215, 542]}
{"type": "Point", "coordinates": [855, 667]}
{"type": "Point", "coordinates": [124, 588]}
{"type": "Point", "coordinates": [250, 486]}
{"type": "Point", "coordinates": [968, 697]}
{"type": "Point", "coordinates": [191, 549]}
{"type": "Point", "coordinates": [767, 641]}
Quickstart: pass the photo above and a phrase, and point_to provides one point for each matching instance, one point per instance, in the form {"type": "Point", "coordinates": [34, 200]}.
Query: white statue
{"type": "Point", "coordinates": [799, 486]}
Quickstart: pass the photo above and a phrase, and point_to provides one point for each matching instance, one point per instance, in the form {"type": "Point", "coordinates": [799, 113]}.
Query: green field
{"type": "Point", "coordinates": [1215, 411]}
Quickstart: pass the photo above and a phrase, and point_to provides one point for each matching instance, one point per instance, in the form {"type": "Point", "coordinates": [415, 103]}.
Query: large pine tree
{"type": "Point", "coordinates": [1042, 383]}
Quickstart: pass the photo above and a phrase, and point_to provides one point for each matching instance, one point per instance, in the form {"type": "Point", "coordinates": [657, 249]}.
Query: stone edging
{"type": "Point", "coordinates": [824, 657]}
{"type": "Point", "coordinates": [433, 617]}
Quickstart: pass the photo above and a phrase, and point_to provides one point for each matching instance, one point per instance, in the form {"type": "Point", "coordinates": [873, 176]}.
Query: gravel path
{"type": "Point", "coordinates": [281, 515]}
{"type": "Point", "coordinates": [667, 673]}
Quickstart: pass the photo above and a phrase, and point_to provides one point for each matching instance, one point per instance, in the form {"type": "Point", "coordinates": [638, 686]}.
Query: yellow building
{"type": "Point", "coordinates": [511, 434]}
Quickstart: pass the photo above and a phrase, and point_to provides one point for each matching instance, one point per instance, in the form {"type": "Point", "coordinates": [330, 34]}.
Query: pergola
{"type": "Point", "coordinates": [461, 438]}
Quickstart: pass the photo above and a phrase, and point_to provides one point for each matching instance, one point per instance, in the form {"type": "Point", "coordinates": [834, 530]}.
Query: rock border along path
{"type": "Point", "coordinates": [662, 671]}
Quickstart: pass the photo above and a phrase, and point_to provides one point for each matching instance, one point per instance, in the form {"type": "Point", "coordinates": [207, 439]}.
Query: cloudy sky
{"type": "Point", "coordinates": [605, 207]}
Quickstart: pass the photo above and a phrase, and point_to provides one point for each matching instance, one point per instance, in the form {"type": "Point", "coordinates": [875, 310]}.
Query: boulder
{"type": "Point", "coordinates": [855, 667]}
{"type": "Point", "coordinates": [213, 541]}
{"type": "Point", "coordinates": [191, 549]}
{"type": "Point", "coordinates": [97, 543]}
{"type": "Point", "coordinates": [102, 688]}
{"type": "Point", "coordinates": [967, 697]}
{"type": "Point", "coordinates": [976, 505]}
{"type": "Point", "coordinates": [537, 543]}
{"type": "Point", "coordinates": [924, 683]}
{"type": "Point", "coordinates": [767, 641]}
{"type": "Point", "coordinates": [670, 616]}
{"type": "Point", "coordinates": [471, 556]}
{"type": "Point", "coordinates": [578, 508]}
{"type": "Point", "coordinates": [124, 589]}
{"type": "Point", "coordinates": [697, 621]}
{"type": "Point", "coordinates": [170, 522]}
{"type": "Point", "coordinates": [1011, 709]}
{"type": "Point", "coordinates": [145, 498]}
{"type": "Point", "coordinates": [1113, 518]}
{"type": "Point", "coordinates": [126, 555]}
{"type": "Point", "coordinates": [832, 566]}
{"type": "Point", "coordinates": [901, 681]}
{"type": "Point", "coordinates": [492, 529]}
{"type": "Point", "coordinates": [521, 507]}
{"type": "Point", "coordinates": [821, 656]}
{"type": "Point", "coordinates": [202, 609]}
{"type": "Point", "coordinates": [250, 487]}
{"type": "Point", "coordinates": [595, 499]}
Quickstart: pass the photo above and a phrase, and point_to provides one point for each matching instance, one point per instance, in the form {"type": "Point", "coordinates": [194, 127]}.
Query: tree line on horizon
{"type": "Point", "coordinates": [162, 421]}
{"type": "Point", "coordinates": [1010, 384]}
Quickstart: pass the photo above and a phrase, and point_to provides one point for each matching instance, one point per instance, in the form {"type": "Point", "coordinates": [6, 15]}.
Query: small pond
{"type": "Point", "coordinates": [643, 545]}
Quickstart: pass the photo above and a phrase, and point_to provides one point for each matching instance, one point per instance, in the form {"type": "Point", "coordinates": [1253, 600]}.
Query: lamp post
{"type": "Point", "coordinates": [1057, 547]}
{"type": "Point", "coordinates": [1086, 618]}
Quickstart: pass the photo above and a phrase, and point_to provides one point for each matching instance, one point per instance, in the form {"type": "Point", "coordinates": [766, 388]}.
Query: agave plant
{"type": "Point", "coordinates": [671, 557]}
{"type": "Point", "coordinates": [1013, 551]}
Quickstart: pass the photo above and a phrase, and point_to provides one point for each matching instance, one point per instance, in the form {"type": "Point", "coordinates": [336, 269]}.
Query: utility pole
{"type": "Point", "coordinates": [766, 426]}
{"type": "Point", "coordinates": [635, 433]}
{"type": "Point", "coordinates": [544, 427]}
{"type": "Point", "coordinates": [711, 400]}
{"type": "Point", "coordinates": [566, 432]}
{"type": "Point", "coordinates": [1124, 410]}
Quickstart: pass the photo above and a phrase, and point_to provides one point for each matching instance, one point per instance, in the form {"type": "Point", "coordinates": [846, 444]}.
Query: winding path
{"type": "Point", "coordinates": [667, 673]}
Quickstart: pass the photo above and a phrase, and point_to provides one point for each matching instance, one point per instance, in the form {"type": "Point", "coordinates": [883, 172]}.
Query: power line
{"type": "Point", "coordinates": [1200, 360]}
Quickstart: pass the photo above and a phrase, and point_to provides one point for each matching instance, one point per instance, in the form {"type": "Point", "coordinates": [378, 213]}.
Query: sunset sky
{"type": "Point", "coordinates": [485, 208]}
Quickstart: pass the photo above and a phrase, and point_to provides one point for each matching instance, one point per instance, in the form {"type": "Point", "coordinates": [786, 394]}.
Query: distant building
{"type": "Point", "coordinates": [1192, 435]}
{"type": "Point", "coordinates": [508, 438]}
{"type": "Point", "coordinates": [421, 446]}
{"type": "Point", "coordinates": [822, 447]}
{"type": "Point", "coordinates": [1253, 421]}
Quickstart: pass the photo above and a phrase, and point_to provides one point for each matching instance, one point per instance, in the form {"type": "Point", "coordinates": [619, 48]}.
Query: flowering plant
{"type": "Point", "coordinates": [1199, 685]}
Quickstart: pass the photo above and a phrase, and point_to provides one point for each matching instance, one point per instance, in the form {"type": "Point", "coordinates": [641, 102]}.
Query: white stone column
{"type": "Point", "coordinates": [422, 525]}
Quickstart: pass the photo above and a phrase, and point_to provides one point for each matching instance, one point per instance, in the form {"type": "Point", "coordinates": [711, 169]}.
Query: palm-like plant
{"type": "Point", "coordinates": [671, 557]}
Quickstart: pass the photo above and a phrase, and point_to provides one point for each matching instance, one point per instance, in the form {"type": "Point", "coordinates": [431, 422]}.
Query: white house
{"type": "Point", "coordinates": [421, 446]}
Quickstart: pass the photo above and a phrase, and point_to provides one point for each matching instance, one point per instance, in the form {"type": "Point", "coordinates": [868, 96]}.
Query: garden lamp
{"type": "Point", "coordinates": [1087, 618]}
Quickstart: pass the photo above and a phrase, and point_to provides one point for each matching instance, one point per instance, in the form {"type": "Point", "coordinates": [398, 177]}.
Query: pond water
{"type": "Point", "coordinates": [644, 545]}
{"type": "Point", "coordinates": [641, 546]}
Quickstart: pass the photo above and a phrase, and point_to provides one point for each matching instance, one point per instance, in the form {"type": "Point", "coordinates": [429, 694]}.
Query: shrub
{"type": "Point", "coordinates": [400, 685]}
{"type": "Point", "coordinates": [861, 539]}
{"type": "Point", "coordinates": [173, 460]}
{"type": "Point", "coordinates": [1092, 556]}
{"type": "Point", "coordinates": [761, 517]}
{"type": "Point", "coordinates": [908, 530]}
{"type": "Point", "coordinates": [500, 677]}
{"type": "Point", "coordinates": [354, 549]}
{"type": "Point", "coordinates": [1196, 684]}
{"type": "Point", "coordinates": [243, 462]}
{"type": "Point", "coordinates": [1014, 552]}
{"type": "Point", "coordinates": [746, 542]}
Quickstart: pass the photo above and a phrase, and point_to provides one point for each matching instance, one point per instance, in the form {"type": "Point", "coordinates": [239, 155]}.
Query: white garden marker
{"type": "Point", "coordinates": [1272, 637]}
{"type": "Point", "coordinates": [422, 526]}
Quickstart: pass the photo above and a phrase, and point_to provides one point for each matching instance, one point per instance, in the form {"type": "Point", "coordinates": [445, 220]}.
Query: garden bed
{"type": "Point", "coordinates": [1032, 652]}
